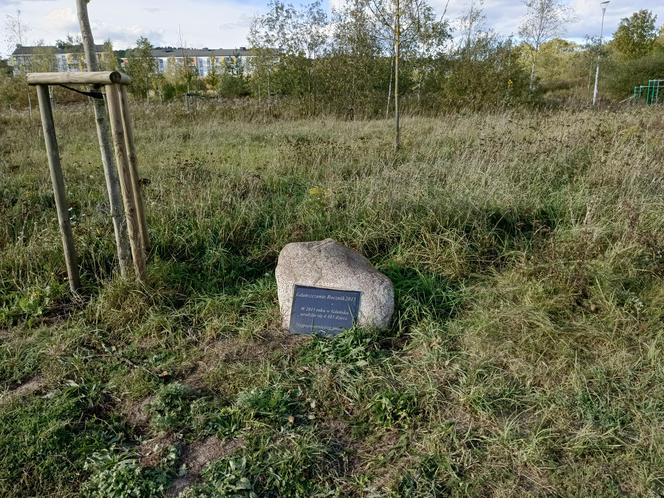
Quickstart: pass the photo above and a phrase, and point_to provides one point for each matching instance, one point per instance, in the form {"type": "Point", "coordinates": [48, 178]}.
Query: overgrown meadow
{"type": "Point", "coordinates": [526, 354]}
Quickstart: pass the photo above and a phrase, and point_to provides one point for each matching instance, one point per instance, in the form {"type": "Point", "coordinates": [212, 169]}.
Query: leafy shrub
{"type": "Point", "coordinates": [227, 478]}
{"type": "Point", "coordinates": [623, 75]}
{"type": "Point", "coordinates": [228, 421]}
{"type": "Point", "coordinates": [30, 304]}
{"type": "Point", "coordinates": [271, 403]}
{"type": "Point", "coordinates": [287, 464]}
{"type": "Point", "coordinates": [393, 407]}
{"type": "Point", "coordinates": [117, 473]}
{"type": "Point", "coordinates": [171, 408]}
{"type": "Point", "coordinates": [352, 349]}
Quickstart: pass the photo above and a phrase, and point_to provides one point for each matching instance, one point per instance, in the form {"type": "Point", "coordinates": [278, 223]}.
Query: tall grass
{"type": "Point", "coordinates": [524, 359]}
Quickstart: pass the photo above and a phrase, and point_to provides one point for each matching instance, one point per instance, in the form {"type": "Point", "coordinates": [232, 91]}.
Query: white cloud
{"type": "Point", "coordinates": [62, 20]}
{"type": "Point", "coordinates": [209, 23]}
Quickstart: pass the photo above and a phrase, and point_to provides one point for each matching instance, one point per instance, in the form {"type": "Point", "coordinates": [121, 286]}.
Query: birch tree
{"type": "Point", "coordinates": [472, 27]}
{"type": "Point", "coordinates": [544, 20]}
{"type": "Point", "coordinates": [287, 42]}
{"type": "Point", "coordinates": [15, 30]}
{"type": "Point", "coordinates": [356, 64]}
{"type": "Point", "coordinates": [411, 27]}
{"type": "Point", "coordinates": [142, 67]}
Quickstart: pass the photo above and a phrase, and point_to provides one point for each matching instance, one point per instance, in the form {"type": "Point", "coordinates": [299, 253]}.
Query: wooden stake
{"type": "Point", "coordinates": [103, 136]}
{"type": "Point", "coordinates": [113, 188]}
{"type": "Point", "coordinates": [124, 172]}
{"type": "Point", "coordinates": [133, 163]}
{"type": "Point", "coordinates": [58, 187]}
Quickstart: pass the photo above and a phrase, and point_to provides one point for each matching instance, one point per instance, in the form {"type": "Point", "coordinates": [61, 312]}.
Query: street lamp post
{"type": "Point", "coordinates": [601, 35]}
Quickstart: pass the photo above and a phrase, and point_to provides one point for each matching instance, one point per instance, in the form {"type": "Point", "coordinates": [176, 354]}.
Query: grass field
{"type": "Point", "coordinates": [526, 355]}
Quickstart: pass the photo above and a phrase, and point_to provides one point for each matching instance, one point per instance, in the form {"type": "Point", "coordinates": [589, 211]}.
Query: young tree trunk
{"type": "Point", "coordinates": [29, 105]}
{"type": "Point", "coordinates": [531, 85]}
{"type": "Point", "coordinates": [397, 52]}
{"type": "Point", "coordinates": [389, 89]}
{"type": "Point", "coordinates": [103, 134]}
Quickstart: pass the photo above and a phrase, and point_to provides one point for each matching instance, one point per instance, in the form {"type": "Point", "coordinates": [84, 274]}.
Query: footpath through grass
{"type": "Point", "coordinates": [525, 358]}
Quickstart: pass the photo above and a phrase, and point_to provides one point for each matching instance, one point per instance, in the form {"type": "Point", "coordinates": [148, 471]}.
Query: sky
{"type": "Point", "coordinates": [225, 23]}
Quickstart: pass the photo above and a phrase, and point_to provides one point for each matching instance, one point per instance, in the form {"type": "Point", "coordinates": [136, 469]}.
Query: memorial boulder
{"type": "Point", "coordinates": [325, 287]}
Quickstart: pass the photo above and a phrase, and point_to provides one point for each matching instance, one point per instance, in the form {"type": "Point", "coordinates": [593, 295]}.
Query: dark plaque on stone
{"type": "Point", "coordinates": [316, 310]}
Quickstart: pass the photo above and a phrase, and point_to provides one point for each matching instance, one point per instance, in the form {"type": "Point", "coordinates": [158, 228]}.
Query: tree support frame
{"type": "Point", "coordinates": [114, 85]}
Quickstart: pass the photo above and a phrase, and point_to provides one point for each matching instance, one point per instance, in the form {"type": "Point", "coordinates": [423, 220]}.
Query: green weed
{"type": "Point", "coordinates": [118, 473]}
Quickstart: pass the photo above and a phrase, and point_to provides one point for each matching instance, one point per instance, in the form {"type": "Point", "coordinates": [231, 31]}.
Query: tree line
{"type": "Point", "coordinates": [372, 56]}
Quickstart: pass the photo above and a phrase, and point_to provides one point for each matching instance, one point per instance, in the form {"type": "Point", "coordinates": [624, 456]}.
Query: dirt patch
{"type": "Point", "coordinates": [32, 386]}
{"type": "Point", "coordinates": [197, 456]}
{"type": "Point", "coordinates": [237, 349]}
{"type": "Point", "coordinates": [271, 343]}
{"type": "Point", "coordinates": [138, 415]}
{"type": "Point", "coordinates": [152, 451]}
{"type": "Point", "coordinates": [369, 456]}
{"type": "Point", "coordinates": [342, 447]}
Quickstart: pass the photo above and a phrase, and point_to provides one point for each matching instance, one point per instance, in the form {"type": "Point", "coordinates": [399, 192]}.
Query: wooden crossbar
{"type": "Point", "coordinates": [90, 78]}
